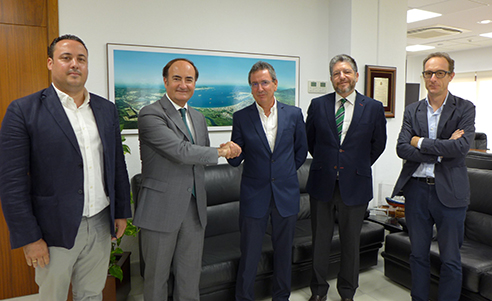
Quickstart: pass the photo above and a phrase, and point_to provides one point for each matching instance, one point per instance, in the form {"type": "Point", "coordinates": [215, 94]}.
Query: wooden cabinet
{"type": "Point", "coordinates": [26, 29]}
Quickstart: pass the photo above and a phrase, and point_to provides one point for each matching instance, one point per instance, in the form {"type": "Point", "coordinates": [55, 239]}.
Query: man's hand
{"type": "Point", "coordinates": [457, 134]}
{"type": "Point", "coordinates": [37, 254]}
{"type": "Point", "coordinates": [119, 226]}
{"type": "Point", "coordinates": [415, 141]}
{"type": "Point", "coordinates": [229, 150]}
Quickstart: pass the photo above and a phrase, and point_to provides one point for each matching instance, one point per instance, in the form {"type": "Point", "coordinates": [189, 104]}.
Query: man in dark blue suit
{"type": "Point", "coordinates": [272, 136]}
{"type": "Point", "coordinates": [434, 140]}
{"type": "Point", "coordinates": [63, 181]}
{"type": "Point", "coordinates": [346, 134]}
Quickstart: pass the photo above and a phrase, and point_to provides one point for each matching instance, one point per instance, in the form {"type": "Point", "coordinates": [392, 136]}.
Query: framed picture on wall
{"type": "Point", "coordinates": [380, 85]}
{"type": "Point", "coordinates": [135, 80]}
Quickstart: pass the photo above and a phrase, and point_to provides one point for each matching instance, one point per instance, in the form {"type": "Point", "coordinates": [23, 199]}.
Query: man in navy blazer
{"type": "Point", "coordinates": [340, 178]}
{"type": "Point", "coordinates": [434, 139]}
{"type": "Point", "coordinates": [272, 136]}
{"type": "Point", "coordinates": [63, 181]}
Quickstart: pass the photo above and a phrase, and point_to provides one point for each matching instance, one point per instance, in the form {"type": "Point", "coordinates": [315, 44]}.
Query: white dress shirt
{"type": "Point", "coordinates": [269, 123]}
{"type": "Point", "coordinates": [349, 111]}
{"type": "Point", "coordinates": [87, 134]}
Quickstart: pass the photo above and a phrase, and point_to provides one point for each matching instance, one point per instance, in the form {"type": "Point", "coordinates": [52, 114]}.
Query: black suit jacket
{"type": "Point", "coordinates": [41, 171]}
{"type": "Point", "coordinates": [452, 186]}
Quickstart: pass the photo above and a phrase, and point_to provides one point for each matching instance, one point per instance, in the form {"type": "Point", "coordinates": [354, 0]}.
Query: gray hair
{"type": "Point", "coordinates": [343, 58]}
{"type": "Point", "coordinates": [260, 65]}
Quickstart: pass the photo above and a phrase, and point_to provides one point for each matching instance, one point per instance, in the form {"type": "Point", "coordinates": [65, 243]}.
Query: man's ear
{"type": "Point", "coordinates": [49, 63]}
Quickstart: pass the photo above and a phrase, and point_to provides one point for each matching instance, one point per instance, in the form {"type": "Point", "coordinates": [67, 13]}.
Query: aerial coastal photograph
{"type": "Point", "coordinates": [221, 89]}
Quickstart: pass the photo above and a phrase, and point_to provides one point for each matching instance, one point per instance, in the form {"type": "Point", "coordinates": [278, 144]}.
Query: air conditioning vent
{"type": "Point", "coordinates": [432, 32]}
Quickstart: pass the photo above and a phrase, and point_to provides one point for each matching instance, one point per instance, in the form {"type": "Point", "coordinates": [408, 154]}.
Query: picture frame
{"type": "Point", "coordinates": [135, 80]}
{"type": "Point", "coordinates": [380, 85]}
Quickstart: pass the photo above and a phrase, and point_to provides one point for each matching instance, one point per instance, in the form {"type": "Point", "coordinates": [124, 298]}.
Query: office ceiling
{"type": "Point", "coordinates": [441, 32]}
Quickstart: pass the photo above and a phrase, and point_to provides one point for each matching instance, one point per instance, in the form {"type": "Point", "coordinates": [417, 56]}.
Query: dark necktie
{"type": "Point", "coordinates": [339, 118]}
{"type": "Point", "coordinates": [183, 115]}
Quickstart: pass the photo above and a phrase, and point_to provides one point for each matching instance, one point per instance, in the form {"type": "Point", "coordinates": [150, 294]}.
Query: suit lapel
{"type": "Point", "coordinates": [174, 115]}
{"type": "Point", "coordinates": [255, 119]}
{"type": "Point", "coordinates": [99, 116]}
{"type": "Point", "coordinates": [200, 132]}
{"type": "Point", "coordinates": [54, 106]}
{"type": "Point", "coordinates": [446, 113]}
{"type": "Point", "coordinates": [421, 115]}
{"type": "Point", "coordinates": [329, 108]}
{"type": "Point", "coordinates": [281, 123]}
{"type": "Point", "coordinates": [359, 106]}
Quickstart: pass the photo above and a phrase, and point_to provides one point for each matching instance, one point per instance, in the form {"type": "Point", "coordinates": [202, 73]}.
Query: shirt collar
{"type": "Point", "coordinates": [176, 106]}
{"type": "Point", "coordinates": [68, 102]}
{"type": "Point", "coordinates": [350, 98]}
{"type": "Point", "coordinates": [273, 109]}
{"type": "Point", "coordinates": [441, 107]}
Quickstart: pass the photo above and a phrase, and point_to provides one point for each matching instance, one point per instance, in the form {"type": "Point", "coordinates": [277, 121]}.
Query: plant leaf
{"type": "Point", "coordinates": [116, 271]}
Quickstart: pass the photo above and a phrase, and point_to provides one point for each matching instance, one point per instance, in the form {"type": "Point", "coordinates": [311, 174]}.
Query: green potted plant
{"type": "Point", "coordinates": [131, 230]}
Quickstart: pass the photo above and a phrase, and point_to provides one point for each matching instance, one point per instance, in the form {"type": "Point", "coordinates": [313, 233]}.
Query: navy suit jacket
{"type": "Point", "coordinates": [363, 144]}
{"type": "Point", "coordinates": [268, 174]}
{"type": "Point", "coordinates": [41, 171]}
{"type": "Point", "coordinates": [451, 176]}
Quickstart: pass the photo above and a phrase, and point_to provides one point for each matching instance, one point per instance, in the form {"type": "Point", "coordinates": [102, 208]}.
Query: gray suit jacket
{"type": "Point", "coordinates": [171, 165]}
{"type": "Point", "coordinates": [451, 174]}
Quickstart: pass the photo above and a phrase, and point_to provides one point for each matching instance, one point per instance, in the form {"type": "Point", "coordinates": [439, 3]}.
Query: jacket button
{"type": "Point", "coordinates": [273, 179]}
{"type": "Point", "coordinates": [335, 167]}
{"type": "Point", "coordinates": [341, 150]}
{"type": "Point", "coordinates": [80, 191]}
{"type": "Point", "coordinates": [81, 165]}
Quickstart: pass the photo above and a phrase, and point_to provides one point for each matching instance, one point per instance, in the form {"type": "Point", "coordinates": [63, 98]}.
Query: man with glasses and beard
{"type": "Point", "coordinates": [346, 134]}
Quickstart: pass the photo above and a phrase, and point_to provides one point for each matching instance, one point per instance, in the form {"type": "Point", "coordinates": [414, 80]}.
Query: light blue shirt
{"type": "Point", "coordinates": [427, 169]}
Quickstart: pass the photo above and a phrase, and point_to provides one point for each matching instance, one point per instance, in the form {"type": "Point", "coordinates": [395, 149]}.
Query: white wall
{"type": "Point", "coordinates": [372, 31]}
{"type": "Point", "coordinates": [285, 27]}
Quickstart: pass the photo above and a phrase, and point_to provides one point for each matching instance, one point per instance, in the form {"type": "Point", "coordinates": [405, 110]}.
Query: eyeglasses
{"type": "Point", "coordinates": [338, 73]}
{"type": "Point", "coordinates": [438, 73]}
{"type": "Point", "coordinates": [263, 83]}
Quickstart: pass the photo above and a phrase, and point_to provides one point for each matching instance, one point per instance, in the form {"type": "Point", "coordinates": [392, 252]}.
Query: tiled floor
{"type": "Point", "coordinates": [373, 286]}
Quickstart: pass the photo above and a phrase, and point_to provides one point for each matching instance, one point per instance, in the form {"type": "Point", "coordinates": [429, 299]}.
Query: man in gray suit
{"type": "Point", "coordinates": [434, 140]}
{"type": "Point", "coordinates": [174, 148]}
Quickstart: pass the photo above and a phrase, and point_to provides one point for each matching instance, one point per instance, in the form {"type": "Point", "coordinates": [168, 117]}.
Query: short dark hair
{"type": "Point", "coordinates": [343, 58]}
{"type": "Point", "coordinates": [443, 55]}
{"type": "Point", "coordinates": [51, 48]}
{"type": "Point", "coordinates": [165, 70]}
{"type": "Point", "coordinates": [260, 65]}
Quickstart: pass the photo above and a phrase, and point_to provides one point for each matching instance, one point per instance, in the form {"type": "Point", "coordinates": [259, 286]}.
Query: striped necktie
{"type": "Point", "coordinates": [339, 118]}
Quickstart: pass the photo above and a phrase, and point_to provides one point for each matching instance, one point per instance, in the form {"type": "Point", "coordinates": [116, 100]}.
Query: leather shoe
{"type": "Point", "coordinates": [317, 298]}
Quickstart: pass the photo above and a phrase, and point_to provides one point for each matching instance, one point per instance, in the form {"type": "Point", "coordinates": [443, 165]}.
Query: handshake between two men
{"type": "Point", "coordinates": [229, 150]}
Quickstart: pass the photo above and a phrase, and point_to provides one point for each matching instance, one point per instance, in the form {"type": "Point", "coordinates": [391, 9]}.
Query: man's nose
{"type": "Point", "coordinates": [74, 63]}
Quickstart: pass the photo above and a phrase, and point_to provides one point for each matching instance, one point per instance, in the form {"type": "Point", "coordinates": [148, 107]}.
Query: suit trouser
{"type": "Point", "coordinates": [85, 265]}
{"type": "Point", "coordinates": [422, 210]}
{"type": "Point", "coordinates": [350, 219]}
{"type": "Point", "coordinates": [252, 234]}
{"type": "Point", "coordinates": [180, 250]}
